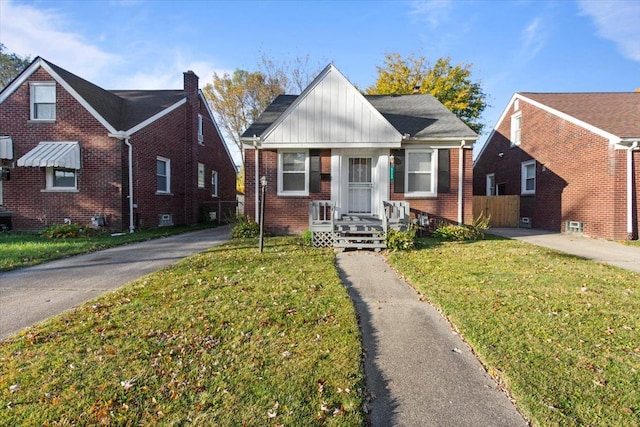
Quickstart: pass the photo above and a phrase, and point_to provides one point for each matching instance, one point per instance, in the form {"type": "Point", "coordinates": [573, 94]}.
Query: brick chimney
{"type": "Point", "coordinates": [190, 82]}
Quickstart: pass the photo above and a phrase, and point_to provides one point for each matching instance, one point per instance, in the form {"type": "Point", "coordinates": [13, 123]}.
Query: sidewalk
{"type": "Point", "coordinates": [603, 251]}
{"type": "Point", "coordinates": [32, 294]}
{"type": "Point", "coordinates": [419, 371]}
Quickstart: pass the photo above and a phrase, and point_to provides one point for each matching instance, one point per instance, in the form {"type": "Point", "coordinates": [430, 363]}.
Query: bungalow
{"type": "Point", "coordinates": [343, 165]}
{"type": "Point", "coordinates": [71, 151]}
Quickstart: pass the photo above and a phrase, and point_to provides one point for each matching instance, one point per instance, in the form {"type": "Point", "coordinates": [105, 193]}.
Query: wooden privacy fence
{"type": "Point", "coordinates": [504, 210]}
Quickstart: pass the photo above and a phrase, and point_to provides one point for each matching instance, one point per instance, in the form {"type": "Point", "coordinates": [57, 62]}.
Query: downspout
{"type": "Point", "coordinates": [124, 137]}
{"type": "Point", "coordinates": [256, 178]}
{"type": "Point", "coordinates": [630, 187]}
{"type": "Point", "coordinates": [460, 178]}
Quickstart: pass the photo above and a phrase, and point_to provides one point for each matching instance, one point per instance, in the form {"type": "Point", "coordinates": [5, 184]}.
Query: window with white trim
{"type": "Point", "coordinates": [516, 129]}
{"type": "Point", "coordinates": [293, 173]}
{"type": "Point", "coordinates": [163, 175]}
{"type": "Point", "coordinates": [43, 100]}
{"type": "Point", "coordinates": [200, 175]}
{"type": "Point", "coordinates": [420, 173]}
{"type": "Point", "coordinates": [529, 177]}
{"type": "Point", "coordinates": [61, 179]}
{"type": "Point", "coordinates": [214, 183]}
{"type": "Point", "coordinates": [200, 129]}
{"type": "Point", "coordinates": [491, 184]}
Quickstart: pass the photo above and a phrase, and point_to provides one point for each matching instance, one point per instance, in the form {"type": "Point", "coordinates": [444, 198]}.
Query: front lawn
{"type": "Point", "coordinates": [228, 337]}
{"type": "Point", "coordinates": [562, 333]}
{"type": "Point", "coordinates": [19, 250]}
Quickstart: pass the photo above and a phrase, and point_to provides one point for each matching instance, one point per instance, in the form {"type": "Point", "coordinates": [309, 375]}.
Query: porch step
{"type": "Point", "coordinates": [360, 240]}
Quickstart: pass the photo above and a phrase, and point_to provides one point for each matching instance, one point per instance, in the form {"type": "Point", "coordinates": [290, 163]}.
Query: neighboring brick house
{"type": "Point", "coordinates": [70, 149]}
{"type": "Point", "coordinates": [331, 143]}
{"type": "Point", "coordinates": [572, 157]}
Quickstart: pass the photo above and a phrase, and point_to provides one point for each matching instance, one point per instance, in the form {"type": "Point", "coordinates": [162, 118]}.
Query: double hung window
{"type": "Point", "coordinates": [43, 100]}
{"type": "Point", "coordinates": [420, 173]}
{"type": "Point", "coordinates": [529, 177]}
{"type": "Point", "coordinates": [163, 175]}
{"type": "Point", "coordinates": [293, 175]}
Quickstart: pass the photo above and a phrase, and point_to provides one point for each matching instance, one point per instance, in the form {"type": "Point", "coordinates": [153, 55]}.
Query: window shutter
{"type": "Point", "coordinates": [444, 171]}
{"type": "Point", "coordinates": [398, 171]}
{"type": "Point", "coordinates": [314, 171]}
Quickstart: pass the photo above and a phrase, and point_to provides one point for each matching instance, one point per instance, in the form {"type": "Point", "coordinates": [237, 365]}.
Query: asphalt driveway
{"type": "Point", "coordinates": [32, 294]}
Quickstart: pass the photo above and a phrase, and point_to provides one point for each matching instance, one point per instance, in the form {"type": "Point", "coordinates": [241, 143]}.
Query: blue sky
{"type": "Point", "coordinates": [513, 46]}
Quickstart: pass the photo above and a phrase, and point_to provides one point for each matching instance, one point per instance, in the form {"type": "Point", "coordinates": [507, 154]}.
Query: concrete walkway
{"type": "Point", "coordinates": [603, 251]}
{"type": "Point", "coordinates": [419, 372]}
{"type": "Point", "coordinates": [32, 294]}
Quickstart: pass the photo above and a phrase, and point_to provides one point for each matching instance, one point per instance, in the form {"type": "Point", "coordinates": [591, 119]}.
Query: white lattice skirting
{"type": "Point", "coordinates": [322, 238]}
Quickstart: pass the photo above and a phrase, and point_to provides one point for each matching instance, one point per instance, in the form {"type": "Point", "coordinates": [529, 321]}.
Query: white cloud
{"type": "Point", "coordinates": [616, 21]}
{"type": "Point", "coordinates": [29, 31]}
{"type": "Point", "coordinates": [433, 11]}
{"type": "Point", "coordinates": [533, 38]}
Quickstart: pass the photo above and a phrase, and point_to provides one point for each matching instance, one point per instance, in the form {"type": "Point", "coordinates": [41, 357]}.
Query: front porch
{"type": "Point", "coordinates": [329, 229]}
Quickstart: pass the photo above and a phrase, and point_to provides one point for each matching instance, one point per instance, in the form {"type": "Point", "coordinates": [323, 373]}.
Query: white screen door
{"type": "Point", "coordinates": [360, 185]}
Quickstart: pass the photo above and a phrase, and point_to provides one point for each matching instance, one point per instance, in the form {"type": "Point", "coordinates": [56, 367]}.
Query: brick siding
{"type": "Point", "coordinates": [579, 175]}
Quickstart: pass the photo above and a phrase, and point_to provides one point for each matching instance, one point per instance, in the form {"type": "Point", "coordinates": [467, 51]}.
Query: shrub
{"type": "Point", "coordinates": [64, 231]}
{"type": "Point", "coordinates": [245, 228]}
{"type": "Point", "coordinates": [401, 240]}
{"type": "Point", "coordinates": [462, 232]}
{"type": "Point", "coordinates": [307, 238]}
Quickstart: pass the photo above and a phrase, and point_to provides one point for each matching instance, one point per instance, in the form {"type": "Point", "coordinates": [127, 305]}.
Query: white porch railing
{"type": "Point", "coordinates": [367, 232]}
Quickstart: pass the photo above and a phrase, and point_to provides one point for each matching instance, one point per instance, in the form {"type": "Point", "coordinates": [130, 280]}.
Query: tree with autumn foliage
{"type": "Point", "coordinates": [450, 84]}
{"type": "Point", "coordinates": [237, 99]}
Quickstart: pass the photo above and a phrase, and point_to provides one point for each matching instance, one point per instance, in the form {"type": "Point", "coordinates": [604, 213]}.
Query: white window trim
{"type": "Point", "coordinates": [214, 183]}
{"type": "Point", "coordinates": [202, 183]}
{"type": "Point", "coordinates": [433, 172]}
{"type": "Point", "coordinates": [281, 192]}
{"type": "Point", "coordinates": [523, 177]}
{"type": "Point", "coordinates": [516, 134]}
{"type": "Point", "coordinates": [32, 98]}
{"type": "Point", "coordinates": [168, 175]}
{"type": "Point", "coordinates": [491, 185]}
{"type": "Point", "coordinates": [49, 180]}
{"type": "Point", "coordinates": [200, 129]}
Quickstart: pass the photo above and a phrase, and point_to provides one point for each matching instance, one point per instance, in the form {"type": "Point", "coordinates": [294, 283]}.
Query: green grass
{"type": "Point", "coordinates": [228, 337]}
{"type": "Point", "coordinates": [19, 250]}
{"type": "Point", "coordinates": [561, 333]}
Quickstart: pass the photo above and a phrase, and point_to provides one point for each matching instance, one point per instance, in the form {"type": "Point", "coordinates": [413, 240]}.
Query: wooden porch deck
{"type": "Point", "coordinates": [353, 231]}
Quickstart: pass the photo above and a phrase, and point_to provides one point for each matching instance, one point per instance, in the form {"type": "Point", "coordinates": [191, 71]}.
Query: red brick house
{"type": "Point", "coordinates": [354, 158]}
{"type": "Point", "coordinates": [573, 158]}
{"type": "Point", "coordinates": [72, 151]}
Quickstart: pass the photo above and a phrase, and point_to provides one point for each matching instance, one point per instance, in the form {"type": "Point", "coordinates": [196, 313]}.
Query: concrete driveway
{"type": "Point", "coordinates": [603, 251]}
{"type": "Point", "coordinates": [32, 294]}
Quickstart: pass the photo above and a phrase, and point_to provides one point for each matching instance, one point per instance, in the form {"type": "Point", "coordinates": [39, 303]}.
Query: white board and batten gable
{"type": "Point", "coordinates": [331, 113]}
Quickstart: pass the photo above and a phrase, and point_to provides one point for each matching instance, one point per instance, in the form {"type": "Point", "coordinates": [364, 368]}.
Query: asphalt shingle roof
{"type": "Point", "coordinates": [420, 116]}
{"type": "Point", "coordinates": [615, 112]}
{"type": "Point", "coordinates": [123, 109]}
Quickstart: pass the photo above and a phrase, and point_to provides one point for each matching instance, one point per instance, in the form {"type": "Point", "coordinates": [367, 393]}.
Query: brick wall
{"type": "Point", "coordinates": [579, 176]}
{"type": "Point", "coordinates": [289, 215]}
{"type": "Point", "coordinates": [99, 188]}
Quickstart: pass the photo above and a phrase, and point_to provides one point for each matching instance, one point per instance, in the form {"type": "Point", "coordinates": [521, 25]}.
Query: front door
{"type": "Point", "coordinates": [360, 185]}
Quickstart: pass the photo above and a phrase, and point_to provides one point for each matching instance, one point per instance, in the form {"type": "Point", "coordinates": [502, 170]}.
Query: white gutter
{"type": "Point", "coordinates": [460, 178]}
{"type": "Point", "coordinates": [630, 187]}
{"type": "Point", "coordinates": [125, 137]}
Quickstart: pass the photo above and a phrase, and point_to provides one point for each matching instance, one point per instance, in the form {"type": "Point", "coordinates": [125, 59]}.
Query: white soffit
{"type": "Point", "coordinates": [331, 113]}
{"type": "Point", "coordinates": [53, 154]}
{"type": "Point", "coordinates": [6, 148]}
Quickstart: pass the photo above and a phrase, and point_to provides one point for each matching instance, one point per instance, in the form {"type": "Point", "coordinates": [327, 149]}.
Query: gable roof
{"type": "Point", "coordinates": [617, 113]}
{"type": "Point", "coordinates": [418, 117]}
{"type": "Point", "coordinates": [117, 110]}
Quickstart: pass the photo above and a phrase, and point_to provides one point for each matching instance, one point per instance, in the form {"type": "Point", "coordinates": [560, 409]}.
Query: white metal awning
{"type": "Point", "coordinates": [53, 154]}
{"type": "Point", "coordinates": [6, 148]}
